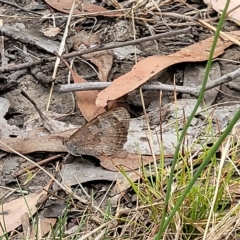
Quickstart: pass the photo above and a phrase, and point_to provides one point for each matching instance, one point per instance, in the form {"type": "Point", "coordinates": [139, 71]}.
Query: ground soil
{"type": "Point", "coordinates": [63, 103]}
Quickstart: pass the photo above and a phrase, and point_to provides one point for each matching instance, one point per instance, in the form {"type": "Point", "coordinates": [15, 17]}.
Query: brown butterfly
{"type": "Point", "coordinates": [104, 135]}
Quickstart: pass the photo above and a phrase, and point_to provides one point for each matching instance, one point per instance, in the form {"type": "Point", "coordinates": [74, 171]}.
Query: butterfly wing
{"type": "Point", "coordinates": [104, 135]}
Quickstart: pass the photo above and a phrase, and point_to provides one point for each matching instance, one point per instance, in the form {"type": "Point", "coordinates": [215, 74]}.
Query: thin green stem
{"type": "Point", "coordinates": [213, 150]}
{"type": "Point", "coordinates": [165, 222]}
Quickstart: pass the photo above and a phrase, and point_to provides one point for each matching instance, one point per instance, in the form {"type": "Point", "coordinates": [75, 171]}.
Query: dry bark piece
{"type": "Point", "coordinates": [29, 36]}
{"type": "Point", "coordinates": [40, 76]}
{"type": "Point", "coordinates": [194, 74]}
{"type": "Point", "coordinates": [84, 170]}
{"type": "Point", "coordinates": [6, 130]}
{"type": "Point", "coordinates": [104, 135]}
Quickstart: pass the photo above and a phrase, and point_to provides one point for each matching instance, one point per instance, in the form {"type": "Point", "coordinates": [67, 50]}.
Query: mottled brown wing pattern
{"type": "Point", "coordinates": [104, 135]}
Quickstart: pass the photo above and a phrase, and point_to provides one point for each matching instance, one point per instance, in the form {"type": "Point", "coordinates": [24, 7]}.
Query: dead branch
{"type": "Point", "coordinates": [95, 49]}
{"type": "Point", "coordinates": [156, 86]}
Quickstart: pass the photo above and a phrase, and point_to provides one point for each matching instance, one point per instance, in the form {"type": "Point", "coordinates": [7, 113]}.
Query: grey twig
{"type": "Point", "coordinates": [101, 85]}
{"type": "Point", "coordinates": [156, 86]}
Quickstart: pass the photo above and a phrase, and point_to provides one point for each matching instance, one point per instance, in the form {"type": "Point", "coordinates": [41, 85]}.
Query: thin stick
{"type": "Point", "coordinates": [60, 51]}
{"type": "Point", "coordinates": [96, 49]}
{"type": "Point", "coordinates": [223, 35]}
{"type": "Point", "coordinates": [156, 86]}
{"type": "Point", "coordinates": [31, 167]}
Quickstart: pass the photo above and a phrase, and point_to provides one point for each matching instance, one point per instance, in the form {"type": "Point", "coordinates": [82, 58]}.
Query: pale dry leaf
{"type": "Point", "coordinates": [124, 183]}
{"type": "Point", "coordinates": [51, 31]}
{"type": "Point", "coordinates": [151, 66]}
{"type": "Point", "coordinates": [218, 5]}
{"type": "Point", "coordinates": [52, 143]}
{"type": "Point", "coordinates": [65, 6]}
{"type": "Point", "coordinates": [103, 59]}
{"type": "Point", "coordinates": [125, 160]}
{"type": "Point", "coordinates": [12, 211]}
{"type": "Point", "coordinates": [45, 225]}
